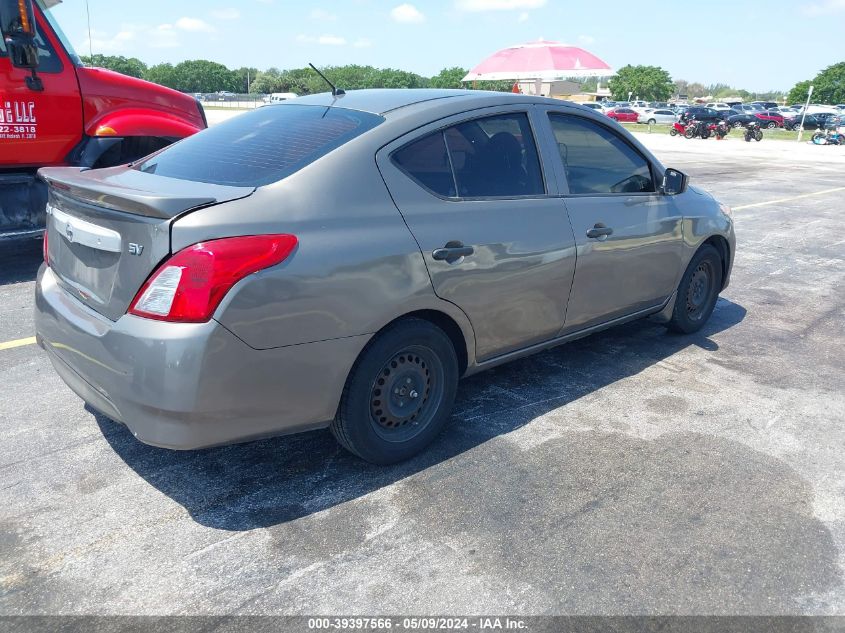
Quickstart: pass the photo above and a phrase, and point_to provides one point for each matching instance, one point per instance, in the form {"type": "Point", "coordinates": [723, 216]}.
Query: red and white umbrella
{"type": "Point", "coordinates": [538, 61]}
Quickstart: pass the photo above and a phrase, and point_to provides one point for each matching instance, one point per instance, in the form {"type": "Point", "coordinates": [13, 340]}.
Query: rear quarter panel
{"type": "Point", "coordinates": [356, 268]}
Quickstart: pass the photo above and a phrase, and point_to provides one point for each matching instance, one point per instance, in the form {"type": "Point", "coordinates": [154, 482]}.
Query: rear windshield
{"type": "Point", "coordinates": [260, 147]}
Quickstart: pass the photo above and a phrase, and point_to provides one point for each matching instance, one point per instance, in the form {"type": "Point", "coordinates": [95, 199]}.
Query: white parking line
{"type": "Point", "coordinates": [806, 195]}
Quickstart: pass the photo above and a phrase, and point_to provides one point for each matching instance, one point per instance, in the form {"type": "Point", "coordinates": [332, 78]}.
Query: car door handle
{"type": "Point", "coordinates": [599, 230]}
{"type": "Point", "coordinates": [452, 252]}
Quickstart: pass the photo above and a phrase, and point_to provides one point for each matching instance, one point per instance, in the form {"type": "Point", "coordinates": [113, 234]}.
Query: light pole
{"type": "Point", "coordinates": [804, 113]}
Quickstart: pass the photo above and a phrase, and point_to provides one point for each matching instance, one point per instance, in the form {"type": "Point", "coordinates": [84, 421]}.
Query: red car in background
{"type": "Point", "coordinates": [770, 118]}
{"type": "Point", "coordinates": [625, 115]}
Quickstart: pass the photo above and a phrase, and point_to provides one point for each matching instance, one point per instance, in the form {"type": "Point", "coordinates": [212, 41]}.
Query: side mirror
{"type": "Point", "coordinates": [17, 24]}
{"type": "Point", "coordinates": [674, 182]}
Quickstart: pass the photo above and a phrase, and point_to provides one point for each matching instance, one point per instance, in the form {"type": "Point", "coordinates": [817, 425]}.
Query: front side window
{"type": "Point", "coordinates": [597, 160]}
{"type": "Point", "coordinates": [490, 157]}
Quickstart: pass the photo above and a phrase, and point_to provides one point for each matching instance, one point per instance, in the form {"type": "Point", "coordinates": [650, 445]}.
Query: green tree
{"type": "Point", "coordinates": [798, 94]}
{"type": "Point", "coordinates": [828, 86]}
{"type": "Point", "coordinates": [448, 78]}
{"type": "Point", "coordinates": [245, 76]}
{"type": "Point", "coordinates": [201, 75]}
{"type": "Point", "coordinates": [645, 82]}
{"type": "Point", "coordinates": [131, 66]}
{"type": "Point", "coordinates": [164, 74]}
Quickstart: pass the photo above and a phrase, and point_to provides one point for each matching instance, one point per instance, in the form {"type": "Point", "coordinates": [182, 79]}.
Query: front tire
{"type": "Point", "coordinates": [771, 125]}
{"type": "Point", "coordinates": [697, 292]}
{"type": "Point", "coordinates": [399, 394]}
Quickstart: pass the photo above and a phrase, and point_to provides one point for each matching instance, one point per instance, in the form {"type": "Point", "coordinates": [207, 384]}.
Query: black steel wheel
{"type": "Point", "coordinates": [406, 394]}
{"type": "Point", "coordinates": [771, 125]}
{"type": "Point", "coordinates": [399, 393]}
{"type": "Point", "coordinates": [698, 291]}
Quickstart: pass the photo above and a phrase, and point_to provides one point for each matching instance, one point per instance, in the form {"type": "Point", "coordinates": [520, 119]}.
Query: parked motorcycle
{"type": "Point", "coordinates": [697, 129]}
{"type": "Point", "coordinates": [829, 137]}
{"type": "Point", "coordinates": [678, 128]}
{"type": "Point", "coordinates": [753, 131]}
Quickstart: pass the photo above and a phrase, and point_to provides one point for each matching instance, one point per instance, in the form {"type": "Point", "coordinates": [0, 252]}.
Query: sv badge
{"type": "Point", "coordinates": [135, 249]}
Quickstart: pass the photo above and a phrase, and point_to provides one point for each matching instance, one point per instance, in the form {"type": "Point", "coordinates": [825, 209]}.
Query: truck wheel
{"type": "Point", "coordinates": [697, 292]}
{"type": "Point", "coordinates": [399, 394]}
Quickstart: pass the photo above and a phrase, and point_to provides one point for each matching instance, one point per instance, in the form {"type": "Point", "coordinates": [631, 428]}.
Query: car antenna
{"type": "Point", "coordinates": [336, 92]}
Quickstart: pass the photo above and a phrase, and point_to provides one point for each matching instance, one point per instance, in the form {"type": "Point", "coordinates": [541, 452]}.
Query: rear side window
{"type": "Point", "coordinates": [260, 147]}
{"type": "Point", "coordinates": [597, 160]}
{"type": "Point", "coordinates": [490, 157]}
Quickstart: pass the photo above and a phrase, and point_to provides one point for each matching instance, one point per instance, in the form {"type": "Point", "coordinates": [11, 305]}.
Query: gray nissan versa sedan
{"type": "Point", "coordinates": [343, 261]}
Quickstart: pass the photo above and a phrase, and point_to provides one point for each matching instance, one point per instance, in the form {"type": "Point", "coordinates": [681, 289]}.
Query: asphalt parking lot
{"type": "Point", "coordinates": [632, 472]}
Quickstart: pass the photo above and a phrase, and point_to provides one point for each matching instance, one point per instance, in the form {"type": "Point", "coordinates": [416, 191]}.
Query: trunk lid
{"type": "Point", "coordinates": [108, 229]}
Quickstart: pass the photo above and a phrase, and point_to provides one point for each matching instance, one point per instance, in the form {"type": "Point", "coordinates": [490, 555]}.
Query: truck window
{"type": "Point", "coordinates": [48, 61]}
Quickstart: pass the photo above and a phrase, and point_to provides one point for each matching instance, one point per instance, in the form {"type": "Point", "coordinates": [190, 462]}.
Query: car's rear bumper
{"type": "Point", "coordinates": [189, 385]}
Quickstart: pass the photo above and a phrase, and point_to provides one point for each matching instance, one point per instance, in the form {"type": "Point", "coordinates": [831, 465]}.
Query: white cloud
{"type": "Point", "coordinates": [362, 42]}
{"type": "Point", "coordinates": [325, 40]}
{"type": "Point", "coordinates": [194, 25]}
{"type": "Point", "coordinates": [163, 36]}
{"type": "Point", "coordinates": [102, 42]}
{"type": "Point", "coordinates": [586, 40]}
{"type": "Point", "coordinates": [322, 15]}
{"type": "Point", "coordinates": [475, 6]}
{"type": "Point", "coordinates": [824, 8]}
{"type": "Point", "coordinates": [523, 17]}
{"type": "Point", "coordinates": [407, 14]}
{"type": "Point", "coordinates": [226, 14]}
{"type": "Point", "coordinates": [131, 36]}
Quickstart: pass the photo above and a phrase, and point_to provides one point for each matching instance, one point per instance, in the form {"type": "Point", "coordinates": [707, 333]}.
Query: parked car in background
{"type": "Point", "coordinates": [639, 105]}
{"type": "Point", "coordinates": [593, 106]}
{"type": "Point", "coordinates": [718, 106]}
{"type": "Point", "coordinates": [652, 116]}
{"type": "Point", "coordinates": [659, 105]}
{"type": "Point", "coordinates": [769, 118]}
{"type": "Point", "coordinates": [724, 115]}
{"type": "Point", "coordinates": [741, 120]}
{"type": "Point", "coordinates": [700, 113]}
{"type": "Point", "coordinates": [243, 289]}
{"type": "Point", "coordinates": [279, 97]}
{"type": "Point", "coordinates": [794, 122]}
{"type": "Point", "coordinates": [623, 115]}
{"type": "Point", "coordinates": [743, 108]}
{"type": "Point", "coordinates": [765, 105]}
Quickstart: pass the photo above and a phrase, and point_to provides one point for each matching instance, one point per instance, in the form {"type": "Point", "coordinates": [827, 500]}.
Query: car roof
{"type": "Point", "coordinates": [384, 100]}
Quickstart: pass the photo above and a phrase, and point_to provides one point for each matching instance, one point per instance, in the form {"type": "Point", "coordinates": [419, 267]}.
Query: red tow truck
{"type": "Point", "coordinates": [56, 111]}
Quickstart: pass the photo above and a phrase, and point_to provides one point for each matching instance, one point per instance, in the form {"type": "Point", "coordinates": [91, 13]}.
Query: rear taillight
{"type": "Point", "coordinates": [45, 249]}
{"type": "Point", "coordinates": [189, 286]}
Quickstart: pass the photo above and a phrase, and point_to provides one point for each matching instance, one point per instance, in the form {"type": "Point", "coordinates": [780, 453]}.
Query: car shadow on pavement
{"type": "Point", "coordinates": [591, 516]}
{"type": "Point", "coordinates": [19, 260]}
{"type": "Point", "coordinates": [266, 482]}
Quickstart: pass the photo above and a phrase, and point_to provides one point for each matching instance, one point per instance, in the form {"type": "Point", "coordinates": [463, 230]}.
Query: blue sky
{"type": "Point", "coordinates": [754, 45]}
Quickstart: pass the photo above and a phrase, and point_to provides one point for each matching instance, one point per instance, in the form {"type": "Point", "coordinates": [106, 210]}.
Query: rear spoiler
{"type": "Point", "coordinates": [125, 189]}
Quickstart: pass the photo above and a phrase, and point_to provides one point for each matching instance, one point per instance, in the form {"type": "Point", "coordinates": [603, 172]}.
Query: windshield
{"type": "Point", "coordinates": [54, 24]}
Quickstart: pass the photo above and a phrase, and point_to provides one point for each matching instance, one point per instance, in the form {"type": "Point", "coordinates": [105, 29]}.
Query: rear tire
{"type": "Point", "coordinates": [652, 122]}
{"type": "Point", "coordinates": [771, 125]}
{"type": "Point", "coordinates": [698, 291]}
{"type": "Point", "coordinates": [399, 394]}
